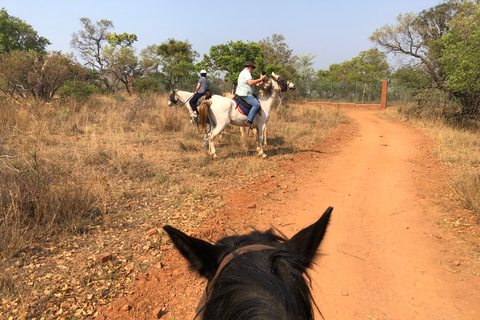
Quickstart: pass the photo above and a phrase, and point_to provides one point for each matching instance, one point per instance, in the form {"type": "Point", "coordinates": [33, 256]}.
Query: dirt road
{"type": "Point", "coordinates": [385, 255]}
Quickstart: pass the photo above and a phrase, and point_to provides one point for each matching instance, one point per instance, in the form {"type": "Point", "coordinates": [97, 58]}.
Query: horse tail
{"type": "Point", "coordinates": [203, 113]}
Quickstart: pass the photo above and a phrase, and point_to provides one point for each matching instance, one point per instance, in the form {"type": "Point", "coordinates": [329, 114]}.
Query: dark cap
{"type": "Point", "coordinates": [249, 64]}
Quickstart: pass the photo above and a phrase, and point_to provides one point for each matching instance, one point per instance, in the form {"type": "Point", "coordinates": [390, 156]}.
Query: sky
{"type": "Point", "coordinates": [335, 30]}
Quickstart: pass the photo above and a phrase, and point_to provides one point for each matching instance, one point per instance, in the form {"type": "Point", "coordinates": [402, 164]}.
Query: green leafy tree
{"type": "Point", "coordinates": [231, 57]}
{"type": "Point", "coordinates": [121, 60]}
{"type": "Point", "coordinates": [278, 57]}
{"type": "Point", "coordinates": [460, 59]}
{"type": "Point", "coordinates": [172, 61]}
{"type": "Point", "coordinates": [15, 34]}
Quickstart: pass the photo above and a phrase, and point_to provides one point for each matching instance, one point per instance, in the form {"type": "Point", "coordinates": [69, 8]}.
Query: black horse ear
{"type": "Point", "coordinates": [305, 243]}
{"type": "Point", "coordinates": [202, 256]}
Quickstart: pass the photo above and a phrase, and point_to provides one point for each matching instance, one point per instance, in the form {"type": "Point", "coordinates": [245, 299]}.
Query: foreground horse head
{"type": "Point", "coordinates": [255, 276]}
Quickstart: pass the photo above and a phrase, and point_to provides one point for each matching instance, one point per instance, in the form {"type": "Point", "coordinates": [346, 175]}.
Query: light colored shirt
{"type": "Point", "coordinates": [243, 88]}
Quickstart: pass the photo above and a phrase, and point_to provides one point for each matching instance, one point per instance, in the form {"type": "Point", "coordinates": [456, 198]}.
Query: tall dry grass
{"type": "Point", "coordinates": [60, 162]}
{"type": "Point", "coordinates": [55, 160]}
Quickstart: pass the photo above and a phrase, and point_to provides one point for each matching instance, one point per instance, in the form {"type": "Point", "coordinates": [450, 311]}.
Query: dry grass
{"type": "Point", "coordinates": [77, 179]}
{"type": "Point", "coordinates": [458, 147]}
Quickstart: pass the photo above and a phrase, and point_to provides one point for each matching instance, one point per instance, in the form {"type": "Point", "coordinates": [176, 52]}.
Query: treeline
{"type": "Point", "coordinates": [438, 50]}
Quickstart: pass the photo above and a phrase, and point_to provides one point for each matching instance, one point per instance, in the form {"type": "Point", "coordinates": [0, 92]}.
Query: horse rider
{"type": "Point", "coordinates": [245, 91]}
{"type": "Point", "coordinates": [203, 85]}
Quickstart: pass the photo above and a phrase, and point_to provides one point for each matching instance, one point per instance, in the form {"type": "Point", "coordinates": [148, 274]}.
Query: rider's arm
{"type": "Point", "coordinates": [253, 82]}
{"type": "Point", "coordinates": [198, 87]}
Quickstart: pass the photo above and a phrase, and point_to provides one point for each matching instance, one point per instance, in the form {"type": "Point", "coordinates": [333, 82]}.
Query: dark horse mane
{"type": "Point", "coordinates": [264, 283]}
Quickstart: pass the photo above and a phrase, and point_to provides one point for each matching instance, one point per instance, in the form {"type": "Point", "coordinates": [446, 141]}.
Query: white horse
{"type": "Point", "coordinates": [243, 130]}
{"type": "Point", "coordinates": [223, 111]}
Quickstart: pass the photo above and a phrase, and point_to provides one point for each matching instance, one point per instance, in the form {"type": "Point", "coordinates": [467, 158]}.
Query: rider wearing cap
{"type": "Point", "coordinates": [202, 86]}
{"type": "Point", "coordinates": [245, 90]}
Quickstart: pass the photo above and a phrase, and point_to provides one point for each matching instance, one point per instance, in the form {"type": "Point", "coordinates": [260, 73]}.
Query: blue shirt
{"type": "Point", "coordinates": [204, 84]}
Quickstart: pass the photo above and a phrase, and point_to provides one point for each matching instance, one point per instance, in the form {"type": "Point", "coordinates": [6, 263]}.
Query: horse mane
{"type": "Point", "coordinates": [268, 89]}
{"type": "Point", "coordinates": [253, 289]}
{"type": "Point", "coordinates": [256, 276]}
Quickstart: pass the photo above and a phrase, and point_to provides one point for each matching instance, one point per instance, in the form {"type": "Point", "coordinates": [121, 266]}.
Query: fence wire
{"type": "Point", "coordinates": [357, 92]}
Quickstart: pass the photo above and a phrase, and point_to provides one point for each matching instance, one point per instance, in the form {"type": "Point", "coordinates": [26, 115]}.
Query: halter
{"type": "Point", "coordinates": [281, 82]}
{"type": "Point", "coordinates": [208, 290]}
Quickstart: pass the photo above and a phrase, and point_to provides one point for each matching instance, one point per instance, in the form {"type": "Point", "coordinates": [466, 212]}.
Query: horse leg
{"type": "Point", "coordinates": [205, 135]}
{"type": "Point", "coordinates": [265, 138]}
{"type": "Point", "coordinates": [211, 137]}
{"type": "Point", "coordinates": [261, 133]}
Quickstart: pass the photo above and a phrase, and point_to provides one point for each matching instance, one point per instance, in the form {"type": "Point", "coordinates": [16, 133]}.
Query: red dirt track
{"type": "Point", "coordinates": [388, 253]}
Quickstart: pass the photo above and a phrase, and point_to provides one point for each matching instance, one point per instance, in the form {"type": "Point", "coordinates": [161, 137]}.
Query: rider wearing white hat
{"type": "Point", "coordinates": [202, 86]}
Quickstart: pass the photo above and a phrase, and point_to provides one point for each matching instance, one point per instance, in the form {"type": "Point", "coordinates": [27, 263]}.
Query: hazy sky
{"type": "Point", "coordinates": [333, 30]}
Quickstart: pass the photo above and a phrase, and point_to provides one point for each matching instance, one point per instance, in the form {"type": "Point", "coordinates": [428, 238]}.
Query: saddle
{"type": "Point", "coordinates": [239, 100]}
{"type": "Point", "coordinates": [242, 106]}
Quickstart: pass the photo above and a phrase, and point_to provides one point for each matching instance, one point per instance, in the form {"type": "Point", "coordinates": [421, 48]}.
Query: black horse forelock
{"type": "Point", "coordinates": [283, 83]}
{"type": "Point", "coordinates": [173, 97]}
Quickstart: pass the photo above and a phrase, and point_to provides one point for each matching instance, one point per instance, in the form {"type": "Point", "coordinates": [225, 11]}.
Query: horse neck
{"type": "Point", "coordinates": [267, 99]}
{"type": "Point", "coordinates": [184, 95]}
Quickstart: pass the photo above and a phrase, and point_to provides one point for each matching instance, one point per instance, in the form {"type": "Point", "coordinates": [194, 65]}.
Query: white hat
{"type": "Point", "coordinates": [203, 71]}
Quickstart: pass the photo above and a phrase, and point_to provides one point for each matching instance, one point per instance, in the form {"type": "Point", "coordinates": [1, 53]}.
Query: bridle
{"type": "Point", "coordinates": [208, 290]}
{"type": "Point", "coordinates": [282, 83]}
{"type": "Point", "coordinates": [174, 98]}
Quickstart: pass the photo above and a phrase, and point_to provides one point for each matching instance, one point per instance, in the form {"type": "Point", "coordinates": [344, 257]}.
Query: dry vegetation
{"type": "Point", "coordinates": [81, 179]}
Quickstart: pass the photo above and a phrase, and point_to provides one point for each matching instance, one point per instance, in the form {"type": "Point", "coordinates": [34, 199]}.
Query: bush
{"type": "Point", "coordinates": [78, 90]}
{"type": "Point", "coordinates": [147, 84]}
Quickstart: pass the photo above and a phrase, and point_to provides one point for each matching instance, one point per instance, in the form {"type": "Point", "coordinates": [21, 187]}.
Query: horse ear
{"type": "Point", "coordinates": [306, 241]}
{"type": "Point", "coordinates": [273, 74]}
{"type": "Point", "coordinates": [202, 256]}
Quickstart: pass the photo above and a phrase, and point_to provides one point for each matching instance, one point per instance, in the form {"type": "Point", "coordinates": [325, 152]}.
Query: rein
{"type": "Point", "coordinates": [208, 290]}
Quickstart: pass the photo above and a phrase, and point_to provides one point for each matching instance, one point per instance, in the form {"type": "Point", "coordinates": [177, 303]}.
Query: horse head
{"type": "Point", "coordinates": [259, 275]}
{"type": "Point", "coordinates": [282, 83]}
{"type": "Point", "coordinates": [172, 99]}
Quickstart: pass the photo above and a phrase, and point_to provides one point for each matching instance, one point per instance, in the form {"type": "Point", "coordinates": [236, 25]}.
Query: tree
{"type": "Point", "coordinates": [305, 72]}
{"type": "Point", "coordinates": [15, 34]}
{"type": "Point", "coordinates": [278, 57]}
{"type": "Point", "coordinates": [416, 37]}
{"type": "Point", "coordinates": [89, 43]}
{"type": "Point", "coordinates": [25, 74]}
{"type": "Point", "coordinates": [435, 48]}
{"type": "Point", "coordinates": [120, 59]}
{"type": "Point", "coordinates": [231, 57]}
{"type": "Point", "coordinates": [172, 61]}
{"type": "Point", "coordinates": [460, 60]}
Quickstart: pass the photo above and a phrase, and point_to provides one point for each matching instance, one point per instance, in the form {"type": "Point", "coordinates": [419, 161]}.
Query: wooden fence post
{"type": "Point", "coordinates": [383, 101]}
